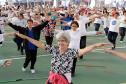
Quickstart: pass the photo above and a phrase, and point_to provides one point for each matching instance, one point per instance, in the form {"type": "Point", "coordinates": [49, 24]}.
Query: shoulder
{"type": "Point", "coordinates": [73, 51]}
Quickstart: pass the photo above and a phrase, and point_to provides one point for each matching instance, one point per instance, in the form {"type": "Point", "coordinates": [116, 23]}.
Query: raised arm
{"type": "Point", "coordinates": [35, 42]}
{"type": "Point", "coordinates": [116, 53]}
{"type": "Point", "coordinates": [15, 27]}
{"type": "Point", "coordinates": [90, 48]}
{"type": "Point", "coordinates": [41, 26]}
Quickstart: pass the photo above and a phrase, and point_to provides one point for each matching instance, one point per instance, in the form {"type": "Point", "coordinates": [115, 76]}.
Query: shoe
{"type": "Point", "coordinates": [32, 71]}
{"type": "Point", "coordinates": [23, 69]}
{"type": "Point", "coordinates": [113, 48]}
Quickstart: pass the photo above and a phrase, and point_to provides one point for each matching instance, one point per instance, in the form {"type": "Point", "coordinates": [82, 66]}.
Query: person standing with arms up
{"type": "Point", "coordinates": [30, 49]}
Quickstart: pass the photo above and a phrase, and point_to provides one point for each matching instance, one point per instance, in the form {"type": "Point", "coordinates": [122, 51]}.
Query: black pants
{"type": "Point", "coordinates": [97, 26]}
{"type": "Point", "coordinates": [112, 36]}
{"type": "Point", "coordinates": [87, 25]}
{"type": "Point", "coordinates": [82, 43]}
{"type": "Point", "coordinates": [106, 31]}
{"type": "Point", "coordinates": [1, 33]}
{"type": "Point", "coordinates": [122, 32]}
{"type": "Point", "coordinates": [1, 42]}
{"type": "Point", "coordinates": [49, 40]}
{"type": "Point", "coordinates": [31, 56]}
{"type": "Point", "coordinates": [73, 67]}
{"type": "Point", "coordinates": [19, 42]}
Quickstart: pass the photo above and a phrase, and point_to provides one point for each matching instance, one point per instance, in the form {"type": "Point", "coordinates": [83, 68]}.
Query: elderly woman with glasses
{"type": "Point", "coordinates": [62, 57]}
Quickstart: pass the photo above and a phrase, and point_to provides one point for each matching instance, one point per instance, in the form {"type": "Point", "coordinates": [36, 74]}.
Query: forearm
{"type": "Point", "coordinates": [41, 26]}
{"type": "Point", "coordinates": [9, 34]}
{"type": "Point", "coordinates": [36, 43]}
{"type": "Point", "coordinates": [15, 27]}
{"type": "Point", "coordinates": [86, 50]}
{"type": "Point", "coordinates": [90, 33]}
{"type": "Point", "coordinates": [116, 53]}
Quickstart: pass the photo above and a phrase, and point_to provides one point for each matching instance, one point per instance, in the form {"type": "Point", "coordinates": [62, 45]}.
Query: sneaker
{"type": "Point", "coordinates": [113, 48]}
{"type": "Point", "coordinates": [23, 69]}
{"type": "Point", "coordinates": [32, 71]}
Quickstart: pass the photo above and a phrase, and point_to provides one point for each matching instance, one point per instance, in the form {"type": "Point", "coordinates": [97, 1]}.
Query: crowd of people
{"type": "Point", "coordinates": [70, 27]}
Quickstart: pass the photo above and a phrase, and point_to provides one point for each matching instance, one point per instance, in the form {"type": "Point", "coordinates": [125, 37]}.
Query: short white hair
{"type": "Point", "coordinates": [63, 34]}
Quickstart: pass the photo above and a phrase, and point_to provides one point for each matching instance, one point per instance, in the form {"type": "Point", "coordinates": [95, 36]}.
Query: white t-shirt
{"type": "Point", "coordinates": [81, 31]}
{"type": "Point", "coordinates": [76, 36]}
{"type": "Point", "coordinates": [114, 25]}
{"type": "Point", "coordinates": [98, 21]}
{"type": "Point", "coordinates": [122, 24]}
{"type": "Point", "coordinates": [75, 39]}
{"type": "Point", "coordinates": [106, 21]}
{"type": "Point", "coordinates": [12, 20]}
{"type": "Point", "coordinates": [21, 22]}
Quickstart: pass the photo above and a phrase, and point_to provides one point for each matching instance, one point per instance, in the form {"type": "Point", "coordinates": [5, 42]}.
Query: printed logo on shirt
{"type": "Point", "coordinates": [113, 22]}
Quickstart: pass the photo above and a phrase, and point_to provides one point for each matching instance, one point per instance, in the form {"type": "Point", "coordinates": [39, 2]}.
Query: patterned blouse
{"type": "Point", "coordinates": [46, 30]}
{"type": "Point", "coordinates": [61, 64]}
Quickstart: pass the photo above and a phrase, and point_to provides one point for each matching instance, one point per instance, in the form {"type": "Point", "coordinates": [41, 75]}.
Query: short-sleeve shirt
{"type": "Point", "coordinates": [114, 25]}
{"type": "Point", "coordinates": [61, 63]}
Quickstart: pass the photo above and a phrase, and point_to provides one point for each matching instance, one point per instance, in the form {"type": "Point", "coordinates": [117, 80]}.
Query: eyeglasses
{"type": "Point", "coordinates": [61, 40]}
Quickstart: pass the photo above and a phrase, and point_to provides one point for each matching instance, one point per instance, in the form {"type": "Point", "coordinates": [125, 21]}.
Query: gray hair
{"type": "Point", "coordinates": [63, 34]}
